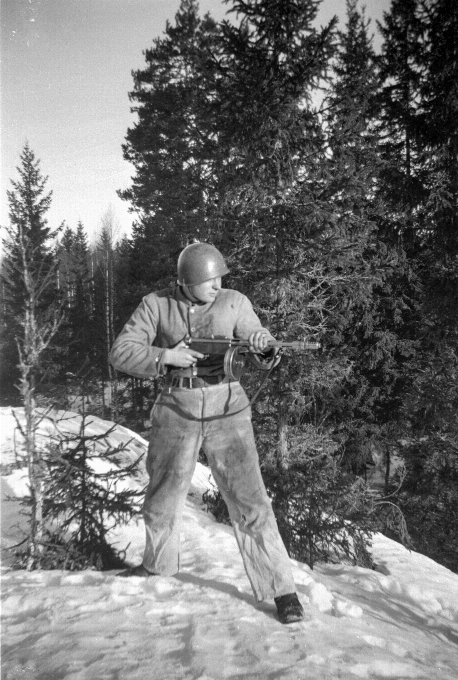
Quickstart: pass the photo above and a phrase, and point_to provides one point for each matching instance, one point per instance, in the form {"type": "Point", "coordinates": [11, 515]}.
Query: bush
{"type": "Point", "coordinates": [85, 495]}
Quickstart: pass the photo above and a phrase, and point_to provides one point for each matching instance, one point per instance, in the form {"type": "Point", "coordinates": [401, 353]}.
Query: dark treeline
{"type": "Point", "coordinates": [328, 176]}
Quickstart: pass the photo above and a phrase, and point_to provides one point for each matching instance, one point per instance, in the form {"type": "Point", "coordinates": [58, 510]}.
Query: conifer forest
{"type": "Point", "coordinates": [327, 174]}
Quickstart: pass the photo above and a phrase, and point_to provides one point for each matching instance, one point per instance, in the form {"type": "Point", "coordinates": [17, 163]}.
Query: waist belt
{"type": "Point", "coordinates": [195, 381]}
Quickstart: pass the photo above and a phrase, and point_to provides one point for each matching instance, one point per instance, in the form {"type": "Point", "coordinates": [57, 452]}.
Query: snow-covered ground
{"type": "Point", "coordinates": [400, 621]}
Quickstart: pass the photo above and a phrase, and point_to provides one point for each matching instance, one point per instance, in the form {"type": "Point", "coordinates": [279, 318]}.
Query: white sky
{"type": "Point", "coordinates": [66, 74]}
{"type": "Point", "coordinates": [397, 622]}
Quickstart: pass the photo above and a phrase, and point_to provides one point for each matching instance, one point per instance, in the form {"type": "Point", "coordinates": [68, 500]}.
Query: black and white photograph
{"type": "Point", "coordinates": [229, 339]}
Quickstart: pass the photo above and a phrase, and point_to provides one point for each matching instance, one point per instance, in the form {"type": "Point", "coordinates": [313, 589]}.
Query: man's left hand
{"type": "Point", "coordinates": [258, 342]}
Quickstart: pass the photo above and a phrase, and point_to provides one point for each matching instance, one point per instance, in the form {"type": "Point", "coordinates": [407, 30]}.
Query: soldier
{"type": "Point", "coordinates": [201, 407]}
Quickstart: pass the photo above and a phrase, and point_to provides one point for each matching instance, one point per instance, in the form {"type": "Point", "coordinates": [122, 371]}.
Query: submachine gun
{"type": "Point", "coordinates": [236, 351]}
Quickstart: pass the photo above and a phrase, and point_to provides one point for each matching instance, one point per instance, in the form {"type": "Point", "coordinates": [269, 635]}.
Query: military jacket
{"type": "Point", "coordinates": [165, 318]}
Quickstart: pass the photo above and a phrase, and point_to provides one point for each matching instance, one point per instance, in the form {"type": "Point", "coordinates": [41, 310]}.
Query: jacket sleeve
{"type": "Point", "coordinates": [132, 351]}
{"type": "Point", "coordinates": [247, 320]}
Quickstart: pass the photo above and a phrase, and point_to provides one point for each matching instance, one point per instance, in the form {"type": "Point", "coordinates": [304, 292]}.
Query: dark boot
{"type": "Point", "coordinates": [289, 608]}
{"type": "Point", "coordinates": [139, 570]}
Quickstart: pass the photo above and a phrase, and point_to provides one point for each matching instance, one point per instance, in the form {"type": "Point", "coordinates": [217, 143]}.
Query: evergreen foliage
{"type": "Point", "coordinates": [278, 219]}
{"type": "Point", "coordinates": [103, 263]}
{"type": "Point", "coordinates": [419, 59]}
{"type": "Point", "coordinates": [29, 240]}
{"type": "Point", "coordinates": [172, 148]}
{"type": "Point", "coordinates": [328, 176]}
{"type": "Point", "coordinates": [77, 289]}
{"type": "Point", "coordinates": [35, 316]}
{"type": "Point", "coordinates": [439, 122]}
{"type": "Point", "coordinates": [86, 493]}
{"type": "Point", "coordinates": [429, 495]}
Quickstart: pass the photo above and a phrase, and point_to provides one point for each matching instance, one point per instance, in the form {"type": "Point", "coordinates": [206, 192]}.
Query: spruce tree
{"type": "Point", "coordinates": [87, 491]}
{"type": "Point", "coordinates": [75, 341]}
{"type": "Point", "coordinates": [439, 123]}
{"type": "Point", "coordinates": [172, 148]}
{"type": "Point", "coordinates": [297, 225]}
{"type": "Point", "coordinates": [34, 311]}
{"type": "Point", "coordinates": [420, 118]}
{"type": "Point", "coordinates": [298, 244]}
{"type": "Point", "coordinates": [430, 448]}
{"type": "Point", "coordinates": [401, 76]}
{"type": "Point", "coordinates": [28, 236]}
{"type": "Point", "coordinates": [81, 316]}
{"type": "Point", "coordinates": [377, 321]}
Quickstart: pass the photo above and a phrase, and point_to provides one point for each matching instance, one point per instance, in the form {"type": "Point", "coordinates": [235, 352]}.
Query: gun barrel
{"type": "Point", "coordinates": [220, 345]}
{"type": "Point", "coordinates": [297, 345]}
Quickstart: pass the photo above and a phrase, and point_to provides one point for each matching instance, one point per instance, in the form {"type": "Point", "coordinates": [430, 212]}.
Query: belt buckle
{"type": "Point", "coordinates": [185, 382]}
{"type": "Point", "coordinates": [181, 382]}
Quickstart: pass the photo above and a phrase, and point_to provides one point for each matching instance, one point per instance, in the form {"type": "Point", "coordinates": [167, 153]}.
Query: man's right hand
{"type": "Point", "coordinates": [182, 356]}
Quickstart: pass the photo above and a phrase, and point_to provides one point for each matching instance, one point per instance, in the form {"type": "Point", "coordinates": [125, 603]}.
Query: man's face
{"type": "Point", "coordinates": [206, 291]}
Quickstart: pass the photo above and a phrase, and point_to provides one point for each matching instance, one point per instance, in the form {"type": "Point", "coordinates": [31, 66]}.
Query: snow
{"type": "Point", "coordinates": [399, 621]}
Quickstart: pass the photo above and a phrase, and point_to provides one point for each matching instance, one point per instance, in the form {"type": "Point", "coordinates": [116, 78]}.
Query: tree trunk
{"type": "Point", "coordinates": [33, 341]}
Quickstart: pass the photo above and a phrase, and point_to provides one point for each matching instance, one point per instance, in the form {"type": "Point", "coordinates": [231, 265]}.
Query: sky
{"type": "Point", "coordinates": [65, 77]}
{"type": "Point", "coordinates": [397, 621]}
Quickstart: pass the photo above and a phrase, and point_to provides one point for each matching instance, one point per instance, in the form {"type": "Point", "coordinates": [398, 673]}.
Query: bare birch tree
{"type": "Point", "coordinates": [105, 300]}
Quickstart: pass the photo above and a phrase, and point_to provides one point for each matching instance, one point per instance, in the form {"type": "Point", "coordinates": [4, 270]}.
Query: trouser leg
{"type": "Point", "coordinates": [172, 455]}
{"type": "Point", "coordinates": [231, 451]}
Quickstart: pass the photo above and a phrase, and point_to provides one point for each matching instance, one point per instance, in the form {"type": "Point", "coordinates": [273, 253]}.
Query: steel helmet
{"type": "Point", "coordinates": [200, 262]}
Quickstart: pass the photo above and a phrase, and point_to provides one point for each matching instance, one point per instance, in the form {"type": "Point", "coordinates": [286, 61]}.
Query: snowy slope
{"type": "Point", "coordinates": [203, 624]}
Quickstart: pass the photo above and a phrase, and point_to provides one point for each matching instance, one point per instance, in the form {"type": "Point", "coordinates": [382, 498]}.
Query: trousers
{"type": "Point", "coordinates": [216, 418]}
